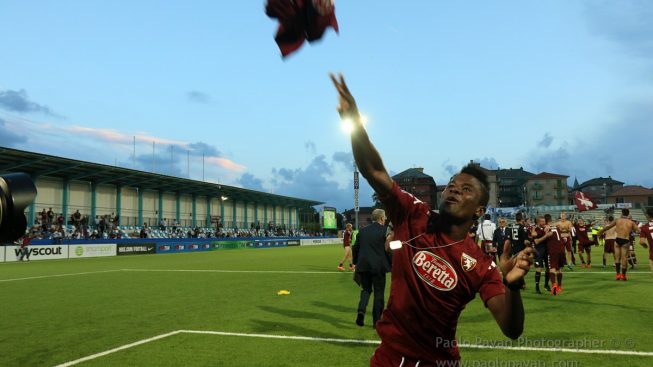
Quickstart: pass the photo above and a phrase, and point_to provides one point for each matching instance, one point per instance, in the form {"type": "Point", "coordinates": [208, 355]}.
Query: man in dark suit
{"type": "Point", "coordinates": [501, 234]}
{"type": "Point", "coordinates": [372, 265]}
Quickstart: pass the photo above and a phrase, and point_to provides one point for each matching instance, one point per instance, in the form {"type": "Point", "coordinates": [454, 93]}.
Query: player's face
{"type": "Point", "coordinates": [581, 222]}
{"type": "Point", "coordinates": [461, 198]}
{"type": "Point", "coordinates": [563, 216]}
{"type": "Point", "coordinates": [541, 222]}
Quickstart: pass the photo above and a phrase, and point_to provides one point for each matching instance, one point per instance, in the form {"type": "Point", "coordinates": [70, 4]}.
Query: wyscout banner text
{"type": "Point", "coordinates": [47, 252]}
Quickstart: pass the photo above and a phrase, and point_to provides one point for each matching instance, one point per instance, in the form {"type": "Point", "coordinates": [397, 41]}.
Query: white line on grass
{"type": "Point", "coordinates": [236, 271]}
{"type": "Point", "coordinates": [347, 341]}
{"type": "Point", "coordinates": [59, 275]}
{"type": "Point", "coordinates": [122, 347]}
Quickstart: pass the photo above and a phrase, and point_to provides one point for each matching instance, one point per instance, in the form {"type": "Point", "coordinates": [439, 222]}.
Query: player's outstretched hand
{"type": "Point", "coordinates": [347, 107]}
{"type": "Point", "coordinates": [516, 267]}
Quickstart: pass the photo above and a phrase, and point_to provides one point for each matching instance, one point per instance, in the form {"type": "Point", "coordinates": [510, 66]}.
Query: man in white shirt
{"type": "Point", "coordinates": [485, 233]}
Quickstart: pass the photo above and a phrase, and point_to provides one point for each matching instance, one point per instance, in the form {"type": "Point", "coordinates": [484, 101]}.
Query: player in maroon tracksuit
{"type": "Point", "coordinates": [439, 268]}
{"type": "Point", "coordinates": [584, 242]}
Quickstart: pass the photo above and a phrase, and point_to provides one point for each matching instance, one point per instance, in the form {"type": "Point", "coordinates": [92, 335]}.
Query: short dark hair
{"type": "Point", "coordinates": [547, 217]}
{"type": "Point", "coordinates": [649, 211]}
{"type": "Point", "coordinates": [519, 217]}
{"type": "Point", "coordinates": [487, 216]}
{"type": "Point", "coordinates": [476, 171]}
{"type": "Point", "coordinates": [610, 218]}
{"type": "Point", "coordinates": [625, 212]}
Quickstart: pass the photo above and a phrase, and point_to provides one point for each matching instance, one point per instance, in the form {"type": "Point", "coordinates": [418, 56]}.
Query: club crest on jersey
{"type": "Point", "coordinates": [467, 262]}
{"type": "Point", "coordinates": [435, 271]}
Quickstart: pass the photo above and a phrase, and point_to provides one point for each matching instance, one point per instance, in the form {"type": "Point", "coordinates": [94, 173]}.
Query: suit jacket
{"type": "Point", "coordinates": [372, 257]}
{"type": "Point", "coordinates": [499, 238]}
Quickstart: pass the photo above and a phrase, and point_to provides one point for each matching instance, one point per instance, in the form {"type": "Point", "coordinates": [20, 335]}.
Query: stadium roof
{"type": "Point", "coordinates": [38, 165]}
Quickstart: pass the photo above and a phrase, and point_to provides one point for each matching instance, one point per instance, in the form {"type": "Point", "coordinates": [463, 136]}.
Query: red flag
{"type": "Point", "coordinates": [584, 202]}
{"type": "Point", "coordinates": [301, 20]}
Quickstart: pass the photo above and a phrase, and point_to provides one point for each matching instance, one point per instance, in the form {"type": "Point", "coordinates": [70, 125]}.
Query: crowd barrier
{"type": "Point", "coordinates": [75, 249]}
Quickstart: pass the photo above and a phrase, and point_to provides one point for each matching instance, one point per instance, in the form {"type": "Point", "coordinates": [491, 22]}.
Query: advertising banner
{"type": "Point", "coordinates": [229, 245]}
{"type": "Point", "coordinates": [2, 253]}
{"type": "Point", "coordinates": [267, 243]}
{"type": "Point", "coordinates": [89, 250]}
{"type": "Point", "coordinates": [37, 252]}
{"type": "Point", "coordinates": [136, 249]}
{"type": "Point", "coordinates": [293, 242]}
{"type": "Point", "coordinates": [164, 248]}
{"type": "Point", "coordinates": [321, 241]}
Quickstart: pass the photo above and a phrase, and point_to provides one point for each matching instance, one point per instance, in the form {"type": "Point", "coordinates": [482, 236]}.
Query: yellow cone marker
{"type": "Point", "coordinates": [283, 292]}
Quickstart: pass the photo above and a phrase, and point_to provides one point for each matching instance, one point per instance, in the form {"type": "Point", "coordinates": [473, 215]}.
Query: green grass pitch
{"type": "Point", "coordinates": [50, 320]}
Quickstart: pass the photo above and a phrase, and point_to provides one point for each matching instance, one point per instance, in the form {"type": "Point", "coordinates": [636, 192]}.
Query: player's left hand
{"type": "Point", "coordinates": [516, 267]}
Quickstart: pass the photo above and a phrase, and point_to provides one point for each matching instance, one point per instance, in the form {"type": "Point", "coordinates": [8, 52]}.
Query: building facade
{"type": "Point", "coordinates": [600, 188]}
{"type": "Point", "coordinates": [419, 184]}
{"type": "Point", "coordinates": [512, 187]}
{"type": "Point", "coordinates": [639, 197]}
{"type": "Point", "coordinates": [546, 189]}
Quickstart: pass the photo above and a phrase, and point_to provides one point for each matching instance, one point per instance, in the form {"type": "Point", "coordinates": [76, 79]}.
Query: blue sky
{"type": "Point", "coordinates": [561, 86]}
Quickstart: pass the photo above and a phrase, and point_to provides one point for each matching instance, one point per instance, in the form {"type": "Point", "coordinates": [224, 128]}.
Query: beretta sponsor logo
{"type": "Point", "coordinates": [193, 247]}
{"type": "Point", "coordinates": [164, 248]}
{"type": "Point", "coordinates": [435, 271]}
{"type": "Point", "coordinates": [206, 246]}
{"type": "Point", "coordinates": [179, 247]}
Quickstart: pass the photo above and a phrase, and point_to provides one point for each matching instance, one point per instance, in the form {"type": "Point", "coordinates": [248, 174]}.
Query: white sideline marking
{"type": "Point", "coordinates": [606, 272]}
{"type": "Point", "coordinates": [288, 337]}
{"type": "Point", "coordinates": [59, 275]}
{"type": "Point", "coordinates": [345, 341]}
{"type": "Point", "coordinates": [122, 347]}
{"type": "Point", "coordinates": [239, 271]}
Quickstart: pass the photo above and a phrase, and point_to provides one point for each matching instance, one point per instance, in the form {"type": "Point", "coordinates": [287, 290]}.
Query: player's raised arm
{"type": "Point", "coordinates": [367, 157]}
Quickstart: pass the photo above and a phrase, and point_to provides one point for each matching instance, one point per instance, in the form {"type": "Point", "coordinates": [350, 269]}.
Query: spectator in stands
{"type": "Point", "coordinates": [50, 217]}
{"type": "Point", "coordinates": [97, 221]}
{"type": "Point", "coordinates": [162, 224]}
{"type": "Point", "coordinates": [60, 220]}
{"type": "Point", "coordinates": [144, 231]}
{"type": "Point", "coordinates": [77, 218]}
{"type": "Point", "coordinates": [44, 216]}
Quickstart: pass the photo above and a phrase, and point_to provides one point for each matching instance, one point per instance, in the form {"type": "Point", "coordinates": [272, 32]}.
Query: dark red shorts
{"type": "Point", "coordinates": [608, 246]}
{"type": "Point", "coordinates": [556, 259]}
{"type": "Point", "coordinates": [386, 357]}
{"type": "Point", "coordinates": [585, 247]}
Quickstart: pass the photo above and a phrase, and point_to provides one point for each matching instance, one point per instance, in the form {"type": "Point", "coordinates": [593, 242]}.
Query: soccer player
{"type": "Point", "coordinates": [439, 268]}
{"type": "Point", "coordinates": [565, 228]}
{"type": "Point", "coordinates": [346, 243]}
{"type": "Point", "coordinates": [623, 227]}
{"type": "Point", "coordinates": [608, 244]}
{"type": "Point", "coordinates": [555, 248]}
{"type": "Point", "coordinates": [584, 242]}
{"type": "Point", "coordinates": [518, 235]}
{"type": "Point", "coordinates": [646, 235]}
{"type": "Point", "coordinates": [538, 234]}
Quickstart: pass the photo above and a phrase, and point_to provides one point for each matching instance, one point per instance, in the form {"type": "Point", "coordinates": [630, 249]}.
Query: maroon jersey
{"type": "Point", "coordinates": [555, 243]}
{"type": "Point", "coordinates": [647, 232]}
{"type": "Point", "coordinates": [539, 233]}
{"type": "Point", "coordinates": [346, 238]}
{"type": "Point", "coordinates": [582, 234]}
{"type": "Point", "coordinates": [431, 283]}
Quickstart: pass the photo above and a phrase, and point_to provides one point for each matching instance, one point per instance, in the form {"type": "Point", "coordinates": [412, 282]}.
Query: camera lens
{"type": "Point", "coordinates": [17, 191]}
